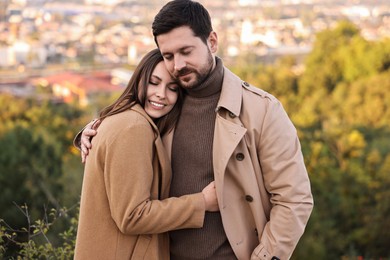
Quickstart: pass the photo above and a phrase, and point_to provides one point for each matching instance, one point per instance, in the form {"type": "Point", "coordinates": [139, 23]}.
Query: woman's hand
{"type": "Point", "coordinates": [89, 131]}
{"type": "Point", "coordinates": [210, 197]}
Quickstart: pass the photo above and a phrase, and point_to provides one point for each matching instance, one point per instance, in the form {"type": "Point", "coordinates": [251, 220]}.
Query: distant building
{"type": "Point", "coordinates": [296, 2]}
{"type": "Point", "coordinates": [22, 53]}
{"type": "Point", "coordinates": [14, 14]}
{"type": "Point", "coordinates": [71, 87]}
{"type": "Point", "coordinates": [249, 2]}
{"type": "Point", "coordinates": [103, 2]}
{"type": "Point", "coordinates": [121, 76]}
{"type": "Point", "coordinates": [7, 57]}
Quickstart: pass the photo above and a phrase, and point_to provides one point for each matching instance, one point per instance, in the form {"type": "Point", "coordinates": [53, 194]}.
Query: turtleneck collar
{"type": "Point", "coordinates": [213, 83]}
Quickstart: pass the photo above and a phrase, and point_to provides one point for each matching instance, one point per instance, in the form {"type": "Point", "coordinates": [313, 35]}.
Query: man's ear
{"type": "Point", "coordinates": [213, 42]}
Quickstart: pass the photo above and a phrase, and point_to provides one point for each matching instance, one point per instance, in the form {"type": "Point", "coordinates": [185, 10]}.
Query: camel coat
{"type": "Point", "coordinates": [124, 200]}
{"type": "Point", "coordinates": [261, 180]}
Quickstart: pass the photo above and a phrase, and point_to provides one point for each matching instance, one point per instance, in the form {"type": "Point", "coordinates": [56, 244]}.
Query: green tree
{"type": "Point", "coordinates": [324, 65]}
{"type": "Point", "coordinates": [30, 171]}
{"type": "Point", "coordinates": [39, 166]}
{"type": "Point", "coordinates": [343, 121]}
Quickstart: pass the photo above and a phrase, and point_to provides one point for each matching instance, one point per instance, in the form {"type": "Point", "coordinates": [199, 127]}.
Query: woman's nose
{"type": "Point", "coordinates": [160, 92]}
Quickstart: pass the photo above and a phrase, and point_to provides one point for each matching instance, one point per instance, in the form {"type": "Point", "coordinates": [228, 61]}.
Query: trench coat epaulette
{"type": "Point", "coordinates": [257, 91]}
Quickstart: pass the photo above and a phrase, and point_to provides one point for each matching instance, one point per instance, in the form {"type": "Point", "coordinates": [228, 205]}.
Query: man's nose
{"type": "Point", "coordinates": [179, 63]}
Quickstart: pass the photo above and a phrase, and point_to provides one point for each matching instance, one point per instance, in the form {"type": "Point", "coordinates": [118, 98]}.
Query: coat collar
{"type": "Point", "coordinates": [231, 94]}
{"type": "Point", "coordinates": [162, 156]}
{"type": "Point", "coordinates": [139, 109]}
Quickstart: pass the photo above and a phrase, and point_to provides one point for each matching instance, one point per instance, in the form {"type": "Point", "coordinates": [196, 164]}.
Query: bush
{"type": "Point", "coordinates": [40, 238]}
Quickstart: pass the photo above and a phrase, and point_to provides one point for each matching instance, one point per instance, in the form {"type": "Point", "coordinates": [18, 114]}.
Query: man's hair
{"type": "Point", "coordinates": [179, 13]}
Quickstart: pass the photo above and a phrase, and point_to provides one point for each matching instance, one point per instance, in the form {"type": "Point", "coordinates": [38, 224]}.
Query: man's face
{"type": "Point", "coordinates": [187, 57]}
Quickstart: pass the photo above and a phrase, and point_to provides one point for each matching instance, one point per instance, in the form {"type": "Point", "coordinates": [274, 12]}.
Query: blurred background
{"type": "Point", "coordinates": [327, 61]}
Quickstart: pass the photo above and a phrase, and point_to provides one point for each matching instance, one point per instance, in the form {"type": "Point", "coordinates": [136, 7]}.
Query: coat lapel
{"type": "Point", "coordinates": [167, 141]}
{"type": "Point", "coordinates": [226, 138]}
{"type": "Point", "coordinates": [229, 130]}
{"type": "Point", "coordinates": [166, 173]}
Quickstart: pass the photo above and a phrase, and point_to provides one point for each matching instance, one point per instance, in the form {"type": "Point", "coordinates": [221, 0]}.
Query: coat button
{"type": "Point", "coordinates": [248, 198]}
{"type": "Point", "coordinates": [232, 115]}
{"type": "Point", "coordinates": [257, 233]}
{"type": "Point", "coordinates": [240, 157]}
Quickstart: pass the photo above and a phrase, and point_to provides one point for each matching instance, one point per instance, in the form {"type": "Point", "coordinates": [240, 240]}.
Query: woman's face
{"type": "Point", "coordinates": [161, 93]}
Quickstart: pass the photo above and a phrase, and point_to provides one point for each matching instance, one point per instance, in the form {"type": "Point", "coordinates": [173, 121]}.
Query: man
{"type": "Point", "coordinates": [235, 134]}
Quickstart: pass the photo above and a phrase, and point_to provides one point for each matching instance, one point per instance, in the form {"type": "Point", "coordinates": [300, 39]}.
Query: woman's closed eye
{"type": "Point", "coordinates": [173, 88]}
{"type": "Point", "coordinates": [154, 83]}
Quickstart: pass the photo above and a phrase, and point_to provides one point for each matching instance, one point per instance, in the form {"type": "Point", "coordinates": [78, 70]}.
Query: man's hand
{"type": "Point", "coordinates": [86, 136]}
{"type": "Point", "coordinates": [210, 197]}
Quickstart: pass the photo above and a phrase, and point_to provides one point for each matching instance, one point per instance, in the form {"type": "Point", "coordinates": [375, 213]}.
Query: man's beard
{"type": "Point", "coordinates": [200, 76]}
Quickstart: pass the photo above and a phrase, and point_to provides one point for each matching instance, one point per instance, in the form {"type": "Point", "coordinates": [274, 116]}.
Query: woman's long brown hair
{"type": "Point", "coordinates": [135, 93]}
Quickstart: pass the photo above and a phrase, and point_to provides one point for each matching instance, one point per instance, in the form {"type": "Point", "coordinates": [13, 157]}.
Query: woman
{"type": "Point", "coordinates": [125, 211]}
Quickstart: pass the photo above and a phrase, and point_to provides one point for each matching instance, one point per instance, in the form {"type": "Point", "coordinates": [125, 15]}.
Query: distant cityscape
{"type": "Point", "coordinates": [46, 38]}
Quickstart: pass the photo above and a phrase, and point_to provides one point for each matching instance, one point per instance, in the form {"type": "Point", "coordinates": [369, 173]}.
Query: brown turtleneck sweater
{"type": "Point", "coordinates": [192, 166]}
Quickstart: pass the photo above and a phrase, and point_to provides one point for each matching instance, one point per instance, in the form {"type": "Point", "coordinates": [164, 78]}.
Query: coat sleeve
{"type": "Point", "coordinates": [286, 180]}
{"type": "Point", "coordinates": [128, 176]}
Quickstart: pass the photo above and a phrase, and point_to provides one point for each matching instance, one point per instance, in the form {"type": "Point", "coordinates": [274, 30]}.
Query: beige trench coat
{"type": "Point", "coordinates": [124, 195]}
{"type": "Point", "coordinates": [262, 184]}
